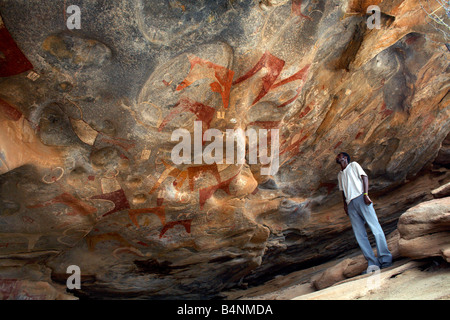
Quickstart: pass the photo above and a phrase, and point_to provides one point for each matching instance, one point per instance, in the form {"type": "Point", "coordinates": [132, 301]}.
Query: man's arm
{"type": "Point", "coordinates": [345, 203]}
{"type": "Point", "coordinates": [365, 180]}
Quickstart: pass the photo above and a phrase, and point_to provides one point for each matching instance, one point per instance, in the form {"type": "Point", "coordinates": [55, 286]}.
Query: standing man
{"type": "Point", "coordinates": [354, 184]}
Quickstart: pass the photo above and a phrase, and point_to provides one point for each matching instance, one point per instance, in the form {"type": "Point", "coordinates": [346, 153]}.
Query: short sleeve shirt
{"type": "Point", "coordinates": [350, 181]}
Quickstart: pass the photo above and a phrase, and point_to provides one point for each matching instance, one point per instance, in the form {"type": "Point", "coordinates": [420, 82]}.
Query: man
{"type": "Point", "coordinates": [354, 184]}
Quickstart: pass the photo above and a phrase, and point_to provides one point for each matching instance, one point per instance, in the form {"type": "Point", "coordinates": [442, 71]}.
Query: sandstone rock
{"type": "Point", "coordinates": [13, 289]}
{"type": "Point", "coordinates": [73, 52]}
{"type": "Point", "coordinates": [332, 275]}
{"type": "Point", "coordinates": [442, 191]}
{"type": "Point", "coordinates": [433, 245]}
{"type": "Point", "coordinates": [407, 280]}
{"type": "Point", "coordinates": [443, 157]}
{"type": "Point", "coordinates": [24, 280]}
{"type": "Point", "coordinates": [19, 139]}
{"type": "Point", "coordinates": [351, 267]}
{"type": "Point", "coordinates": [426, 218]}
{"type": "Point", "coordinates": [424, 230]}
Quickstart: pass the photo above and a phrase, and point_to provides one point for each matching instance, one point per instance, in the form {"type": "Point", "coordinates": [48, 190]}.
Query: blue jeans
{"type": "Point", "coordinates": [360, 213]}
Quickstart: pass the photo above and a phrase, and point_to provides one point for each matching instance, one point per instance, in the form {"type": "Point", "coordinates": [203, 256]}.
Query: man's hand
{"type": "Point", "coordinates": [367, 200]}
{"type": "Point", "coordinates": [365, 180]}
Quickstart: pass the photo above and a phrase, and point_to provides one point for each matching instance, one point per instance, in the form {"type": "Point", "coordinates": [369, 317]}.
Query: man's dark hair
{"type": "Point", "coordinates": [345, 154]}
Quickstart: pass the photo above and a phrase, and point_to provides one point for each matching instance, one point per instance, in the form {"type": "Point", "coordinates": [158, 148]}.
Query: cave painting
{"type": "Point", "coordinates": [222, 77]}
{"type": "Point", "coordinates": [12, 60]}
{"type": "Point", "coordinates": [192, 173]}
{"type": "Point", "coordinates": [213, 153]}
{"type": "Point", "coordinates": [92, 240]}
{"type": "Point", "coordinates": [119, 199]}
{"type": "Point", "coordinates": [297, 76]}
{"type": "Point", "coordinates": [203, 112]}
{"type": "Point", "coordinates": [180, 175]}
{"type": "Point", "coordinates": [296, 9]}
{"type": "Point", "coordinates": [185, 223]}
{"type": "Point", "coordinates": [222, 82]}
{"type": "Point", "coordinates": [292, 146]}
{"type": "Point", "coordinates": [159, 211]}
{"type": "Point", "coordinates": [266, 124]}
{"type": "Point", "coordinates": [206, 193]}
{"type": "Point", "coordinates": [9, 111]}
{"type": "Point", "coordinates": [274, 66]}
{"type": "Point", "coordinates": [54, 175]}
{"type": "Point", "coordinates": [122, 143]}
{"type": "Point", "coordinates": [78, 206]}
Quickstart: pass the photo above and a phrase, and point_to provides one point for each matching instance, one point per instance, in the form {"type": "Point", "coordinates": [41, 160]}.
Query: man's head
{"type": "Point", "coordinates": [342, 157]}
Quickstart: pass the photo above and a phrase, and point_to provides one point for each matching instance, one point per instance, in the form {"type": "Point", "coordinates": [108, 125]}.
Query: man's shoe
{"type": "Point", "coordinates": [386, 265]}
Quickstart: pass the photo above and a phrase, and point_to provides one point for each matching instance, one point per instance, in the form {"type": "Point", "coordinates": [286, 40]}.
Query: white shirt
{"type": "Point", "coordinates": [350, 181]}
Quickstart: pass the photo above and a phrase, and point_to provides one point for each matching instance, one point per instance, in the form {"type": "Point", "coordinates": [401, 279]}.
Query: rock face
{"type": "Point", "coordinates": [409, 280]}
{"type": "Point", "coordinates": [87, 176]}
{"type": "Point", "coordinates": [351, 267]}
{"type": "Point", "coordinates": [442, 191]}
{"type": "Point", "coordinates": [425, 230]}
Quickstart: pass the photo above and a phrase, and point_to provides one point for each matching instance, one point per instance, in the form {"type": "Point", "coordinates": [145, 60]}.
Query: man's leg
{"type": "Point", "coordinates": [370, 216]}
{"type": "Point", "coordinates": [359, 230]}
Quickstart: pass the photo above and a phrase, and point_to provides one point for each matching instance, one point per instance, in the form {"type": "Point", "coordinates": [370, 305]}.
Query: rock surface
{"type": "Point", "coordinates": [412, 280]}
{"type": "Point", "coordinates": [422, 234]}
{"type": "Point", "coordinates": [442, 191]}
{"type": "Point", "coordinates": [351, 267]}
{"type": "Point", "coordinates": [425, 230]}
{"type": "Point", "coordinates": [86, 174]}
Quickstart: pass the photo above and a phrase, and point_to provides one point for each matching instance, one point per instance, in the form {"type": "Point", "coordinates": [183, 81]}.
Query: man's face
{"type": "Point", "coordinates": [341, 159]}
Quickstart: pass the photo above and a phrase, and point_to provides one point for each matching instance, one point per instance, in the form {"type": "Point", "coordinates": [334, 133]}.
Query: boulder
{"type": "Point", "coordinates": [442, 191]}
{"type": "Point", "coordinates": [425, 230]}
{"type": "Point", "coordinates": [351, 267]}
